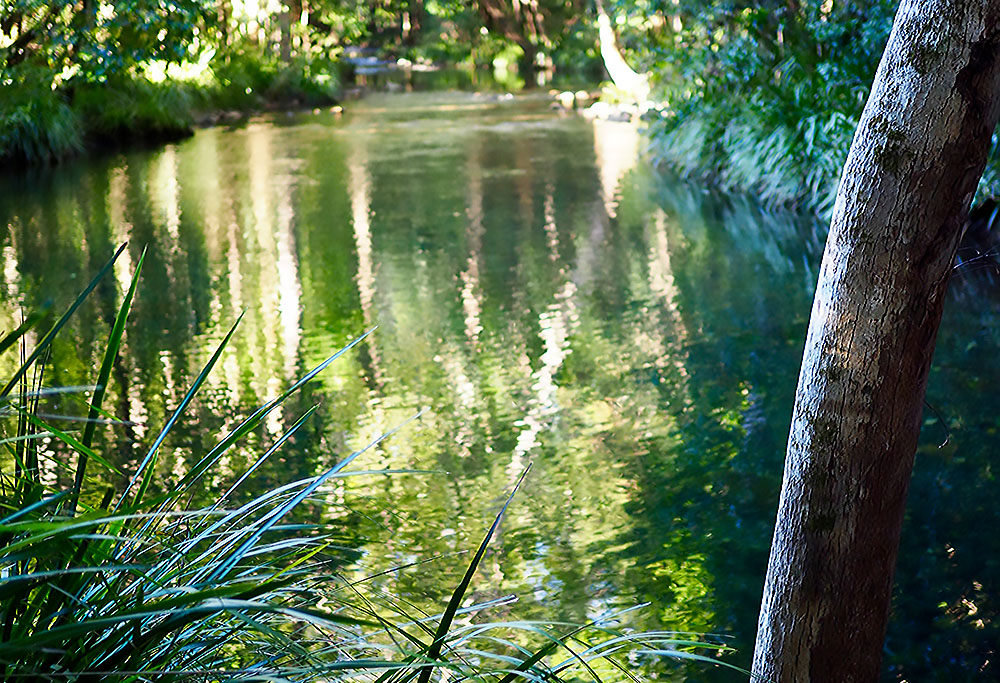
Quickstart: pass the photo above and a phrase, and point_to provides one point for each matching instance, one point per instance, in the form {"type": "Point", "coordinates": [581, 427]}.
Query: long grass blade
{"type": "Point", "coordinates": [434, 651]}
{"type": "Point", "coordinates": [71, 441]}
{"type": "Point", "coordinates": [145, 469]}
{"type": "Point", "coordinates": [33, 318]}
{"type": "Point", "coordinates": [103, 375]}
{"type": "Point", "coordinates": [270, 451]}
{"type": "Point", "coordinates": [225, 566]}
{"type": "Point", "coordinates": [693, 656]}
{"type": "Point", "coordinates": [28, 509]}
{"type": "Point", "coordinates": [258, 416]}
{"type": "Point", "coordinates": [46, 341]}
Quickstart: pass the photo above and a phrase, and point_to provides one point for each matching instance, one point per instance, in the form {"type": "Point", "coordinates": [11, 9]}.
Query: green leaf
{"type": "Point", "coordinates": [33, 318]}
{"type": "Point", "coordinates": [145, 469]}
{"type": "Point", "coordinates": [70, 441]}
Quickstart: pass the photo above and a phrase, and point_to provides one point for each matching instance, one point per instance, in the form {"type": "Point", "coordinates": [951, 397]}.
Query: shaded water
{"type": "Point", "coordinates": [544, 298]}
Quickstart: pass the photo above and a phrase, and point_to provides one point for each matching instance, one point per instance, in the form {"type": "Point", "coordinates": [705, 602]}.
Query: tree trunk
{"type": "Point", "coordinates": [225, 13]}
{"type": "Point", "coordinates": [413, 21]}
{"type": "Point", "coordinates": [520, 22]}
{"type": "Point", "coordinates": [285, 42]}
{"type": "Point", "coordinates": [913, 167]}
{"type": "Point", "coordinates": [634, 85]}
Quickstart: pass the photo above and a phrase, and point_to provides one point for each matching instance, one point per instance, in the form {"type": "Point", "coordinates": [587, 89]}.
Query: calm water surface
{"type": "Point", "coordinates": [544, 298]}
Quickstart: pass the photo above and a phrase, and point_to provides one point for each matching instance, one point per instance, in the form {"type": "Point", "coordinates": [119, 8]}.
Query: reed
{"type": "Point", "coordinates": [141, 586]}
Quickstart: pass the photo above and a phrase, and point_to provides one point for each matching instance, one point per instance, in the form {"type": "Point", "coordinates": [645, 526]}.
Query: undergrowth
{"type": "Point", "coordinates": [37, 124]}
{"type": "Point", "coordinates": [765, 101]}
{"type": "Point", "coordinates": [793, 164]}
{"type": "Point", "coordinates": [121, 583]}
{"type": "Point", "coordinates": [246, 79]}
{"type": "Point", "coordinates": [783, 164]}
{"type": "Point", "coordinates": [40, 124]}
{"type": "Point", "coordinates": [123, 109]}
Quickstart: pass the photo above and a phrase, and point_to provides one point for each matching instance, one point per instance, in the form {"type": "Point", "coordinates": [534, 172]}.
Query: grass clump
{"type": "Point", "coordinates": [752, 148]}
{"type": "Point", "coordinates": [128, 109]}
{"type": "Point", "coordinates": [765, 102]}
{"type": "Point", "coordinates": [776, 96]}
{"type": "Point", "coordinates": [119, 582]}
{"type": "Point", "coordinates": [37, 125]}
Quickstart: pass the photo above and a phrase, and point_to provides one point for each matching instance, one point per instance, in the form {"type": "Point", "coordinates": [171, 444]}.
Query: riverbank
{"type": "Point", "coordinates": [766, 102]}
{"type": "Point", "coordinates": [794, 163]}
{"type": "Point", "coordinates": [44, 125]}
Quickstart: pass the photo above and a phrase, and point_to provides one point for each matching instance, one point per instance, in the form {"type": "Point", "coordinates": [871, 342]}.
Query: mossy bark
{"type": "Point", "coordinates": [917, 156]}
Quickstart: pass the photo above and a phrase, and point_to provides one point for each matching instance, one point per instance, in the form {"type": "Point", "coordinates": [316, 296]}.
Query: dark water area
{"type": "Point", "coordinates": [543, 297]}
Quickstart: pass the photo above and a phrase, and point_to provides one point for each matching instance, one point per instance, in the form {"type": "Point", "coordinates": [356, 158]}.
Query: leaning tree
{"type": "Point", "coordinates": [904, 196]}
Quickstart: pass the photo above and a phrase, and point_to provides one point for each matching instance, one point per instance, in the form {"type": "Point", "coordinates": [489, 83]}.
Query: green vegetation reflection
{"type": "Point", "coordinates": [538, 293]}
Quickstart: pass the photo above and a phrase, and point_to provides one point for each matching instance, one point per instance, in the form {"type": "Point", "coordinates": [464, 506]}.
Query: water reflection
{"type": "Point", "coordinates": [616, 149]}
{"type": "Point", "coordinates": [547, 299]}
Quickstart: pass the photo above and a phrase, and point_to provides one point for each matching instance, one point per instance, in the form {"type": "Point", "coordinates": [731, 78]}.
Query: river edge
{"type": "Point", "coordinates": [41, 127]}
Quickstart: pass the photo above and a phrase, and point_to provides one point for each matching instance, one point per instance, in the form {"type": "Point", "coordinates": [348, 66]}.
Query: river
{"type": "Point", "coordinates": [539, 295]}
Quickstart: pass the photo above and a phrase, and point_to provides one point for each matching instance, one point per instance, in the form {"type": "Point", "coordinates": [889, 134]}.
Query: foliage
{"type": "Point", "coordinates": [92, 41]}
{"type": "Point", "coordinates": [110, 58]}
{"type": "Point", "coordinates": [761, 97]}
{"type": "Point", "coordinates": [97, 73]}
{"type": "Point", "coordinates": [775, 89]}
{"type": "Point", "coordinates": [137, 584]}
{"type": "Point", "coordinates": [127, 108]}
{"type": "Point", "coordinates": [247, 79]}
{"type": "Point", "coordinates": [37, 124]}
{"type": "Point", "coordinates": [536, 28]}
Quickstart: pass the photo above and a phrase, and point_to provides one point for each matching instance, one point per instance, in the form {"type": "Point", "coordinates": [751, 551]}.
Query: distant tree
{"type": "Point", "coordinates": [917, 156]}
{"type": "Point", "coordinates": [625, 78]}
{"type": "Point", "coordinates": [93, 41]}
{"type": "Point", "coordinates": [532, 26]}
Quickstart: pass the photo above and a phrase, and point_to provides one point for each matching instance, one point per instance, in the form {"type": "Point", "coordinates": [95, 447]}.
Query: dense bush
{"type": "Point", "coordinates": [122, 109]}
{"type": "Point", "coordinates": [765, 99]}
{"type": "Point", "coordinates": [44, 125]}
{"type": "Point", "coordinates": [37, 125]}
{"type": "Point", "coordinates": [78, 74]}
{"type": "Point", "coordinates": [762, 97]}
{"type": "Point", "coordinates": [250, 79]}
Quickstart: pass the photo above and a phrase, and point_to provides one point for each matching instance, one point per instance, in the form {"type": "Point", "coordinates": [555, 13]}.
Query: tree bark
{"type": "Point", "coordinates": [917, 156]}
{"type": "Point", "coordinates": [625, 78]}
{"type": "Point", "coordinates": [285, 41]}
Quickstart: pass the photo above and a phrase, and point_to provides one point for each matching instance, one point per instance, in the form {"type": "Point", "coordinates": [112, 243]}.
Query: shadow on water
{"type": "Point", "coordinates": [547, 298]}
